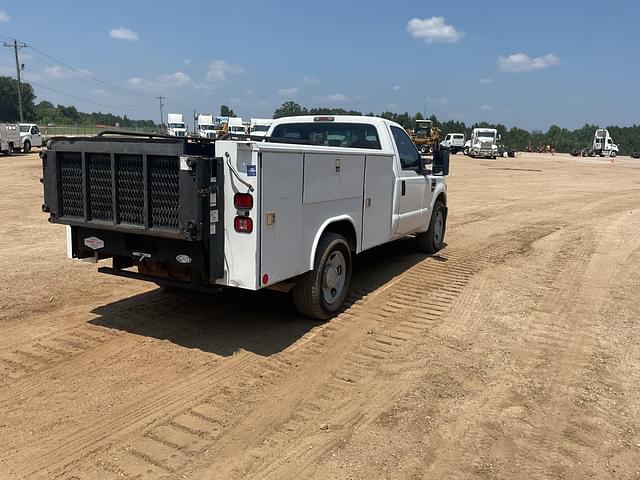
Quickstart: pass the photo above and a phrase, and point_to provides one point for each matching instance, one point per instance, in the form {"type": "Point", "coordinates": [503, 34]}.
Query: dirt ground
{"type": "Point", "coordinates": [515, 353]}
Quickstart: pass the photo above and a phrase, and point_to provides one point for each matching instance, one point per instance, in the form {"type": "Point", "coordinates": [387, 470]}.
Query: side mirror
{"type": "Point", "coordinates": [499, 137]}
{"type": "Point", "coordinates": [440, 164]}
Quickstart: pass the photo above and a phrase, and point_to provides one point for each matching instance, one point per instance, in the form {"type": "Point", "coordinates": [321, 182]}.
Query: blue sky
{"type": "Point", "coordinates": [530, 64]}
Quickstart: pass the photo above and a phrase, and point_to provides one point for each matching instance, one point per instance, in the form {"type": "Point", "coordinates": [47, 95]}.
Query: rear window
{"type": "Point", "coordinates": [345, 135]}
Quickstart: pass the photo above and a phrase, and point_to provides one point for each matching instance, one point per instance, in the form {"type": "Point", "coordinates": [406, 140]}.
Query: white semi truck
{"type": "Point", "coordinates": [603, 144]}
{"type": "Point", "coordinates": [9, 138]}
{"type": "Point", "coordinates": [289, 212]}
{"type": "Point", "coordinates": [176, 126]}
{"type": "Point", "coordinates": [258, 127]}
{"type": "Point", "coordinates": [483, 143]}
{"type": "Point", "coordinates": [236, 126]}
{"type": "Point", "coordinates": [205, 126]}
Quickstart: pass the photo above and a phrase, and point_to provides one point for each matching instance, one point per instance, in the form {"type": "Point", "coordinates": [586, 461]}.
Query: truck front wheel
{"type": "Point", "coordinates": [432, 240]}
{"type": "Point", "coordinates": [321, 292]}
{"type": "Point", "coordinates": [27, 146]}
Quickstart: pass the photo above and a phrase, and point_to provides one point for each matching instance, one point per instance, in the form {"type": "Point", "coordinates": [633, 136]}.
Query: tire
{"type": "Point", "coordinates": [321, 292]}
{"type": "Point", "coordinates": [613, 154]}
{"type": "Point", "coordinates": [432, 240]}
{"type": "Point", "coordinates": [424, 150]}
{"type": "Point", "coordinates": [27, 146]}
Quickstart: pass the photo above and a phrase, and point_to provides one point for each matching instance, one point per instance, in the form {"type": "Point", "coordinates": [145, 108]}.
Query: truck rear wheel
{"type": "Point", "coordinates": [321, 292]}
{"type": "Point", "coordinates": [432, 240]}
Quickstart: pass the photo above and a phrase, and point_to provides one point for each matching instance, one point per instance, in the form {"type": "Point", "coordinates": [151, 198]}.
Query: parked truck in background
{"type": "Point", "coordinates": [236, 125]}
{"type": "Point", "coordinates": [483, 143]}
{"type": "Point", "coordinates": [30, 136]}
{"type": "Point", "coordinates": [258, 127]}
{"type": "Point", "coordinates": [603, 144]}
{"type": "Point", "coordinates": [289, 212]}
{"type": "Point", "coordinates": [454, 142]}
{"type": "Point", "coordinates": [9, 138]}
{"type": "Point", "coordinates": [205, 127]}
{"type": "Point", "coordinates": [176, 126]}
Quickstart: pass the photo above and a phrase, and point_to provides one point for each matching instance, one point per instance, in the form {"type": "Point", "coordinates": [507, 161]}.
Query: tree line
{"type": "Point", "coordinates": [563, 139]}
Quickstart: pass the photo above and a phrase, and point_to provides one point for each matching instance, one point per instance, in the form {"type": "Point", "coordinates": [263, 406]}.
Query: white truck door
{"type": "Point", "coordinates": [36, 138]}
{"type": "Point", "coordinates": [411, 185]}
{"type": "Point", "coordinates": [378, 200]}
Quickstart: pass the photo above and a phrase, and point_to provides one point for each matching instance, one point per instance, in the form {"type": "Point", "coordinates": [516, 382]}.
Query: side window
{"type": "Point", "coordinates": [35, 131]}
{"type": "Point", "coordinates": [409, 156]}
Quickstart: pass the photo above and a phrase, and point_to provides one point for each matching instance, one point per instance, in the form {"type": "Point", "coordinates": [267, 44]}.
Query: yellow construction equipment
{"type": "Point", "coordinates": [425, 136]}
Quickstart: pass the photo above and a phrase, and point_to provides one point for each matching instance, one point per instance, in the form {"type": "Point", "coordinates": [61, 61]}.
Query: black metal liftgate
{"type": "Point", "coordinates": [154, 203]}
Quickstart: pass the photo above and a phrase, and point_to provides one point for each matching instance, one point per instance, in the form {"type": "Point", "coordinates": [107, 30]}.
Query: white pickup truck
{"type": "Point", "coordinates": [289, 212]}
{"type": "Point", "coordinates": [454, 142]}
{"type": "Point", "coordinates": [30, 136]}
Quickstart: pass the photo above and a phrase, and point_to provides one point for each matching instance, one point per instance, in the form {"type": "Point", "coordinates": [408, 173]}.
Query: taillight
{"type": "Point", "coordinates": [243, 224]}
{"type": "Point", "coordinates": [243, 201]}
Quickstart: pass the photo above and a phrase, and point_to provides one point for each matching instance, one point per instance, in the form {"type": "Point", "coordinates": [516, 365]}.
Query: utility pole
{"type": "Point", "coordinates": [16, 47]}
{"type": "Point", "coordinates": [161, 98]}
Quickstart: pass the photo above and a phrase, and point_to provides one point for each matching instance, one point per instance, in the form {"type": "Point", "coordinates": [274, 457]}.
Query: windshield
{"type": "Point", "coordinates": [176, 125]}
{"type": "Point", "coordinates": [237, 129]}
{"type": "Point", "coordinates": [24, 128]}
{"type": "Point", "coordinates": [487, 134]}
{"type": "Point", "coordinates": [346, 135]}
{"type": "Point", "coordinates": [259, 128]}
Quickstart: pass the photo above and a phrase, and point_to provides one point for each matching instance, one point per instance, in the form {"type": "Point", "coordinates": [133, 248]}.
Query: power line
{"type": "Point", "coordinates": [87, 74]}
{"type": "Point", "coordinates": [87, 100]}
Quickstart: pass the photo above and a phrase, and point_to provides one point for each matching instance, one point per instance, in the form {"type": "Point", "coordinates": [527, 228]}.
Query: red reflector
{"type": "Point", "coordinates": [265, 279]}
{"type": "Point", "coordinates": [243, 201]}
{"type": "Point", "coordinates": [243, 224]}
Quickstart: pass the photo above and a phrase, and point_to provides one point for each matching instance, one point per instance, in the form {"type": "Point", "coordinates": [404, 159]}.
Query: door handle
{"type": "Point", "coordinates": [404, 188]}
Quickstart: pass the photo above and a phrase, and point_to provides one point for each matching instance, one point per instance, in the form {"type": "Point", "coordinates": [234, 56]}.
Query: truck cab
{"type": "Point", "coordinates": [30, 136]}
{"type": "Point", "coordinates": [258, 127]}
{"type": "Point", "coordinates": [483, 143]}
{"type": "Point", "coordinates": [603, 144]}
{"type": "Point", "coordinates": [454, 142]}
{"type": "Point", "coordinates": [176, 126]}
{"type": "Point", "coordinates": [205, 127]}
{"type": "Point", "coordinates": [288, 213]}
{"type": "Point", "coordinates": [236, 126]}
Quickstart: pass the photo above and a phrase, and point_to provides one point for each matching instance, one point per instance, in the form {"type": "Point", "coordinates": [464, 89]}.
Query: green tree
{"type": "Point", "coordinates": [289, 109]}
{"type": "Point", "coordinates": [225, 111]}
{"type": "Point", "coordinates": [9, 100]}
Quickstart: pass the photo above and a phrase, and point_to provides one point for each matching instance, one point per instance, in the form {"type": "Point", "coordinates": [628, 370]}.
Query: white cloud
{"type": "Point", "coordinates": [436, 100]}
{"type": "Point", "coordinates": [433, 30]}
{"type": "Point", "coordinates": [59, 72]}
{"type": "Point", "coordinates": [4, 16]}
{"type": "Point", "coordinates": [168, 80]}
{"type": "Point", "coordinates": [249, 92]}
{"type": "Point", "coordinates": [187, 61]}
{"type": "Point", "coordinates": [219, 69]}
{"type": "Point", "coordinates": [235, 100]}
{"type": "Point", "coordinates": [288, 92]}
{"type": "Point", "coordinates": [487, 108]}
{"type": "Point", "coordinates": [100, 91]}
{"type": "Point", "coordinates": [310, 81]}
{"type": "Point", "coordinates": [123, 34]}
{"type": "Point", "coordinates": [392, 106]}
{"type": "Point", "coordinates": [337, 97]}
{"type": "Point", "coordinates": [520, 62]}
{"type": "Point", "coordinates": [486, 80]}
{"type": "Point", "coordinates": [396, 88]}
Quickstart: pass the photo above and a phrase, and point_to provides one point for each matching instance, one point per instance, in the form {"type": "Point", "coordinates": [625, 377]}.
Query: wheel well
{"type": "Point", "coordinates": [442, 197]}
{"type": "Point", "coordinates": [344, 228]}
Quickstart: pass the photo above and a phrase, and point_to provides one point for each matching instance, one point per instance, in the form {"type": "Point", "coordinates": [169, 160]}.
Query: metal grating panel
{"type": "Point", "coordinates": [100, 186]}
{"type": "Point", "coordinates": [130, 185]}
{"type": "Point", "coordinates": [71, 202]}
{"type": "Point", "coordinates": [164, 191]}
